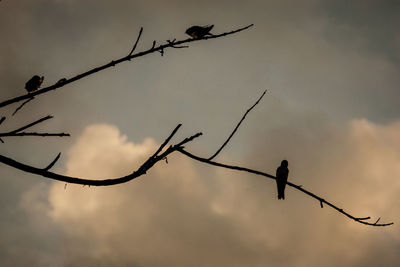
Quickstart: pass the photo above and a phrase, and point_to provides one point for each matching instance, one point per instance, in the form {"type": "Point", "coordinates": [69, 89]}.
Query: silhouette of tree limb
{"type": "Point", "coordinates": [129, 57]}
{"type": "Point", "coordinates": [23, 104]}
{"type": "Point", "coordinates": [19, 131]}
{"type": "Point", "coordinates": [33, 134]}
{"type": "Point", "coordinates": [237, 126]}
{"type": "Point", "coordinates": [158, 154]}
{"type": "Point", "coordinates": [53, 162]}
{"type": "Point", "coordinates": [298, 187]}
{"type": "Point", "coordinates": [48, 117]}
{"type": "Point", "coordinates": [137, 41]}
{"type": "Point", "coordinates": [321, 200]}
{"type": "Point", "coordinates": [149, 163]}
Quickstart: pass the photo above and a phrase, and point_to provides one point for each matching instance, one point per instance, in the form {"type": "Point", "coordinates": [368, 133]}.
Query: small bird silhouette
{"type": "Point", "coordinates": [197, 32]}
{"type": "Point", "coordinates": [34, 83]}
{"type": "Point", "coordinates": [282, 173]}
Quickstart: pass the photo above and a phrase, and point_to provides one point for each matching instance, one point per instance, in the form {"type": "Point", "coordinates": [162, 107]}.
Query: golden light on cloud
{"type": "Point", "coordinates": [180, 211]}
{"type": "Point", "coordinates": [322, 69]}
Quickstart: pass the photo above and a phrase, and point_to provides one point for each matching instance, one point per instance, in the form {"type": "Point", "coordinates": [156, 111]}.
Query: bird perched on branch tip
{"type": "Point", "coordinates": [282, 173]}
{"type": "Point", "coordinates": [197, 32]}
{"type": "Point", "coordinates": [34, 83]}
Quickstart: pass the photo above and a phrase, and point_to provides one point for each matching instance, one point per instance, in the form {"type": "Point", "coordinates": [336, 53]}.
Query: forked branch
{"type": "Point", "coordinates": [19, 131]}
{"type": "Point", "coordinates": [237, 127]}
{"type": "Point", "coordinates": [160, 48]}
{"type": "Point", "coordinates": [300, 188]}
{"type": "Point", "coordinates": [156, 157]}
{"type": "Point", "coordinates": [159, 153]}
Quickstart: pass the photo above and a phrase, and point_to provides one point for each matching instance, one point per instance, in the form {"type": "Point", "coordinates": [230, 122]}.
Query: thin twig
{"type": "Point", "coordinates": [166, 140]}
{"type": "Point", "coordinates": [237, 126]}
{"type": "Point", "coordinates": [32, 124]}
{"type": "Point", "coordinates": [2, 119]}
{"type": "Point", "coordinates": [19, 131]}
{"type": "Point", "coordinates": [104, 182]}
{"type": "Point", "coordinates": [53, 162]}
{"type": "Point", "coordinates": [238, 168]}
{"type": "Point", "coordinates": [33, 134]}
{"type": "Point", "coordinates": [115, 62]}
{"type": "Point", "coordinates": [23, 104]}
{"type": "Point", "coordinates": [137, 40]}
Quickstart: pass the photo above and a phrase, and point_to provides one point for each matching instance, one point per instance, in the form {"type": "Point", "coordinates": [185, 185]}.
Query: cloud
{"type": "Point", "coordinates": [311, 56]}
{"type": "Point", "coordinates": [186, 214]}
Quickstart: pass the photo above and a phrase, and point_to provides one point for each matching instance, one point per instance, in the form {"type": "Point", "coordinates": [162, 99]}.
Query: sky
{"type": "Point", "coordinates": [332, 71]}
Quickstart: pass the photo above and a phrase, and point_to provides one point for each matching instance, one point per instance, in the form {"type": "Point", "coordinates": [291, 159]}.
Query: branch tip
{"type": "Point", "coordinates": [118, 61]}
{"type": "Point", "coordinates": [238, 168]}
{"type": "Point", "coordinates": [137, 41]}
{"type": "Point", "coordinates": [53, 162]}
{"type": "Point", "coordinates": [237, 127]}
{"type": "Point", "coordinates": [20, 106]}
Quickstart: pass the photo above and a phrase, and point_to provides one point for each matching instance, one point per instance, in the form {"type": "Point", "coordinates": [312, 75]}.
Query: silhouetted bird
{"type": "Point", "coordinates": [197, 32]}
{"type": "Point", "coordinates": [282, 173]}
{"type": "Point", "coordinates": [34, 83]}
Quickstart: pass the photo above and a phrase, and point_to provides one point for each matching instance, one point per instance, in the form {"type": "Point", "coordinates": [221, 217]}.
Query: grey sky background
{"type": "Point", "coordinates": [332, 69]}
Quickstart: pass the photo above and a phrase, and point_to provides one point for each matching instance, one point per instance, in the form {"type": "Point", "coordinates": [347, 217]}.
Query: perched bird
{"type": "Point", "coordinates": [282, 173]}
{"type": "Point", "coordinates": [197, 32]}
{"type": "Point", "coordinates": [34, 83]}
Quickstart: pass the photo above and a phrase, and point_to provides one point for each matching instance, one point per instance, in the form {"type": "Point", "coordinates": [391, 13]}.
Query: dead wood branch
{"type": "Point", "coordinates": [156, 157]}
{"type": "Point", "coordinates": [53, 162]}
{"type": "Point", "coordinates": [23, 104]}
{"type": "Point", "coordinates": [237, 126]}
{"type": "Point", "coordinates": [113, 63]}
{"type": "Point", "coordinates": [321, 200]}
{"type": "Point", "coordinates": [137, 41]}
{"type": "Point", "coordinates": [19, 131]}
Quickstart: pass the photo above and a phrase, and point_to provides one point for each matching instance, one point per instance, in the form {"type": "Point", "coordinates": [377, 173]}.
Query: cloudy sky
{"type": "Point", "coordinates": [332, 69]}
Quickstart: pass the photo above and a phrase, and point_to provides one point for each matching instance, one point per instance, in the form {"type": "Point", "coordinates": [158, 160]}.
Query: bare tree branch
{"type": "Point", "coordinates": [33, 134]}
{"type": "Point", "coordinates": [298, 187]}
{"type": "Point", "coordinates": [137, 41]}
{"type": "Point", "coordinates": [166, 140]}
{"type": "Point", "coordinates": [23, 104]}
{"type": "Point", "coordinates": [53, 162]}
{"type": "Point", "coordinates": [105, 182]}
{"type": "Point", "coordinates": [321, 200]}
{"type": "Point", "coordinates": [158, 155]}
{"type": "Point", "coordinates": [159, 48]}
{"type": "Point", "coordinates": [32, 124]}
{"type": "Point", "coordinates": [19, 131]}
{"type": "Point", "coordinates": [237, 126]}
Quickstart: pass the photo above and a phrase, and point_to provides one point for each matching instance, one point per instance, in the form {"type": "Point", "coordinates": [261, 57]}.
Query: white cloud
{"type": "Point", "coordinates": [186, 214]}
